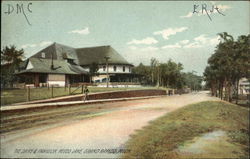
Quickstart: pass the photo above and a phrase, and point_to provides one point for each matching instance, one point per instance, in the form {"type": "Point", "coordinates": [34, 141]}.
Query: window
{"type": "Point", "coordinates": [104, 68]}
{"type": "Point", "coordinates": [71, 61]}
{"type": "Point", "coordinates": [42, 55]}
{"type": "Point", "coordinates": [114, 68]}
{"type": "Point", "coordinates": [123, 68]}
{"type": "Point", "coordinates": [43, 78]}
{"type": "Point", "coordinates": [129, 69]}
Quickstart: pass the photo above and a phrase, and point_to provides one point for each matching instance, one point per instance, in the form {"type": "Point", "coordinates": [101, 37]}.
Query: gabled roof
{"type": "Point", "coordinates": [40, 65]}
{"type": "Point", "coordinates": [87, 56]}
{"type": "Point", "coordinates": [83, 56]}
{"type": "Point", "coordinates": [59, 52]}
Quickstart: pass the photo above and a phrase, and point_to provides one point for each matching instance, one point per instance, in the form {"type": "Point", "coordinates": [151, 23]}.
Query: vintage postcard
{"type": "Point", "coordinates": [125, 79]}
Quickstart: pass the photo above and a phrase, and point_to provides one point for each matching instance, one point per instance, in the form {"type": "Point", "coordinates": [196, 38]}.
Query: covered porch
{"type": "Point", "coordinates": [47, 80]}
{"type": "Point", "coordinates": [125, 77]}
{"type": "Point", "coordinates": [118, 80]}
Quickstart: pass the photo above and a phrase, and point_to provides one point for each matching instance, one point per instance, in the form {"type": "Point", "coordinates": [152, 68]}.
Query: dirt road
{"type": "Point", "coordinates": [102, 136]}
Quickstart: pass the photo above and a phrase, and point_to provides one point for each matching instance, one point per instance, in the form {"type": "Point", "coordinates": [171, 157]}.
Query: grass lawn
{"type": "Point", "coordinates": [163, 136]}
{"type": "Point", "coordinates": [20, 95]}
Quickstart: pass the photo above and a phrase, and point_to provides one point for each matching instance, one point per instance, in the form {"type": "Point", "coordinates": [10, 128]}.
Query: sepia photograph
{"type": "Point", "coordinates": [125, 79]}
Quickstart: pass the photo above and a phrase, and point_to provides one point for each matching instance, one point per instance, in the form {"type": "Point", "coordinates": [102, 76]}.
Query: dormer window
{"type": "Point", "coordinates": [123, 68]}
{"type": "Point", "coordinates": [42, 55]}
{"type": "Point", "coordinates": [114, 68]}
{"type": "Point", "coordinates": [71, 61]}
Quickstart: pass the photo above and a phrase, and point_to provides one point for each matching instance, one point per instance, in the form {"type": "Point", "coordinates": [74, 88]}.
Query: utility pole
{"type": "Point", "coordinates": [194, 86]}
{"type": "Point", "coordinates": [107, 58]}
{"type": "Point", "coordinates": [158, 74]}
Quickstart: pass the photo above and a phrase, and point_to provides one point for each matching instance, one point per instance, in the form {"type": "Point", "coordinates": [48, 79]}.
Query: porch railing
{"type": "Point", "coordinates": [119, 83]}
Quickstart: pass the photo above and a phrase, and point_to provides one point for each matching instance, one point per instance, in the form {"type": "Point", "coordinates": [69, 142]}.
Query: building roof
{"type": "Point", "coordinates": [87, 56]}
{"type": "Point", "coordinates": [68, 60]}
{"type": "Point", "coordinates": [83, 56]}
{"type": "Point", "coordinates": [58, 51]}
{"type": "Point", "coordinates": [40, 65]}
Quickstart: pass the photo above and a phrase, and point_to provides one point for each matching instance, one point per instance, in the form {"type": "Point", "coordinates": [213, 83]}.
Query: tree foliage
{"type": "Point", "coordinates": [228, 65]}
{"type": "Point", "coordinates": [193, 81]}
{"type": "Point", "coordinates": [168, 74]}
{"type": "Point", "coordinates": [93, 70]}
{"type": "Point", "coordinates": [10, 61]}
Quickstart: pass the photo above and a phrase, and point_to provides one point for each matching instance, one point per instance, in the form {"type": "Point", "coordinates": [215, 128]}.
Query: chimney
{"type": "Point", "coordinates": [52, 62]}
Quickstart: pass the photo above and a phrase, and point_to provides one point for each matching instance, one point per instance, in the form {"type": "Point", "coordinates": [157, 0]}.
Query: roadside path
{"type": "Point", "coordinates": [105, 132]}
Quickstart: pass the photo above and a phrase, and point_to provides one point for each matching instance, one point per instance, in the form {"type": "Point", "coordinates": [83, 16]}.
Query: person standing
{"type": "Point", "coordinates": [86, 91]}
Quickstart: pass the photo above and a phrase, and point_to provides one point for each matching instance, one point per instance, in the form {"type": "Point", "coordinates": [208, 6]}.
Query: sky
{"type": "Point", "coordinates": [138, 30]}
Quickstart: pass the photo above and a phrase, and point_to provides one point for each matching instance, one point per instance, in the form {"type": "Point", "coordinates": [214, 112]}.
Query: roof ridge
{"type": "Point", "coordinates": [94, 47]}
{"type": "Point", "coordinates": [44, 59]}
{"type": "Point", "coordinates": [55, 43]}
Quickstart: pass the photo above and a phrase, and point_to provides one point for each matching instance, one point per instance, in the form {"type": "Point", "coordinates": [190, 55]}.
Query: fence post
{"type": "Point", "coordinates": [82, 88]}
{"type": "Point", "coordinates": [52, 95]}
{"type": "Point", "coordinates": [28, 93]}
{"type": "Point", "coordinates": [69, 89]}
{"type": "Point", "coordinates": [52, 89]}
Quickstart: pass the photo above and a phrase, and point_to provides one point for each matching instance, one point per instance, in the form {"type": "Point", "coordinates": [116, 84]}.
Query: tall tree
{"type": "Point", "coordinates": [144, 71]}
{"type": "Point", "coordinates": [10, 55]}
{"type": "Point", "coordinates": [241, 58]}
{"type": "Point", "coordinates": [193, 81]}
{"type": "Point", "coordinates": [153, 70]}
{"type": "Point", "coordinates": [228, 65]}
{"type": "Point", "coordinates": [10, 61]}
{"type": "Point", "coordinates": [226, 49]}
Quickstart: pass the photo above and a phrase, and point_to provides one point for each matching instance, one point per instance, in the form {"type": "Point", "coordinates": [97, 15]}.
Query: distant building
{"type": "Point", "coordinates": [244, 86]}
{"type": "Point", "coordinates": [61, 65]}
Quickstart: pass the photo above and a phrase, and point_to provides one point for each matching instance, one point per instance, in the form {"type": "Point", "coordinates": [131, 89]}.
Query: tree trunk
{"type": "Point", "coordinates": [227, 91]}
{"type": "Point", "coordinates": [230, 92]}
{"type": "Point", "coordinates": [213, 89]}
{"type": "Point", "coordinates": [220, 94]}
{"type": "Point", "coordinates": [216, 90]}
{"type": "Point", "coordinates": [237, 90]}
{"type": "Point", "coordinates": [152, 76]}
{"type": "Point", "coordinates": [221, 90]}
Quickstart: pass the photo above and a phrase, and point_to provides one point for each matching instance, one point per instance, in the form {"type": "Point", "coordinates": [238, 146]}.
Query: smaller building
{"type": "Point", "coordinates": [44, 72]}
{"type": "Point", "coordinates": [244, 86]}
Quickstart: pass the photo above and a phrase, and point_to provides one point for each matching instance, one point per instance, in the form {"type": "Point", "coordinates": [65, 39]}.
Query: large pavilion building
{"type": "Point", "coordinates": [61, 65]}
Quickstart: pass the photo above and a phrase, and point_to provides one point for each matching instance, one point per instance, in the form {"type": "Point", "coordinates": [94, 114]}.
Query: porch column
{"type": "Point", "coordinates": [83, 79]}
{"type": "Point", "coordinates": [66, 80]}
{"type": "Point", "coordinates": [36, 80]}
